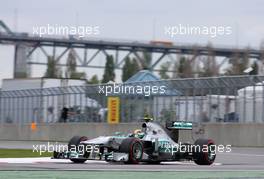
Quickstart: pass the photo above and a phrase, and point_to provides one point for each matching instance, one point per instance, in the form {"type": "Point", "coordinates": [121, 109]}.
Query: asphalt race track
{"type": "Point", "coordinates": [240, 159]}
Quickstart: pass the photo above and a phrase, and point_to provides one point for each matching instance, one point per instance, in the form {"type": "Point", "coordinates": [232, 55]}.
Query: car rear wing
{"type": "Point", "coordinates": [180, 125]}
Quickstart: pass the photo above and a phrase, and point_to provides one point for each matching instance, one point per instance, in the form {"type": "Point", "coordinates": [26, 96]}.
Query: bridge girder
{"type": "Point", "coordinates": [131, 48]}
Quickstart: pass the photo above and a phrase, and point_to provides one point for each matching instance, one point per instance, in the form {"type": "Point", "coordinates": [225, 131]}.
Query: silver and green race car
{"type": "Point", "coordinates": [152, 144]}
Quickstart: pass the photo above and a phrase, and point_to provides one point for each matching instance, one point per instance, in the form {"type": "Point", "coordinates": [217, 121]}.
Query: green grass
{"type": "Point", "coordinates": [22, 153]}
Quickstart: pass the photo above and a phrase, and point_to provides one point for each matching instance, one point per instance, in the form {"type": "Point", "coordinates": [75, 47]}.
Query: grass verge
{"type": "Point", "coordinates": [22, 153]}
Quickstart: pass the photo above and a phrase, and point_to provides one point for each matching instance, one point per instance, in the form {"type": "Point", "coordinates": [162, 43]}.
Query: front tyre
{"type": "Point", "coordinates": [204, 152]}
{"type": "Point", "coordinates": [134, 148]}
{"type": "Point", "coordinates": [74, 144]}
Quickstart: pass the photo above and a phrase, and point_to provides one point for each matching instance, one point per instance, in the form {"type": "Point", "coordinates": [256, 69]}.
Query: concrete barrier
{"type": "Point", "coordinates": [240, 135]}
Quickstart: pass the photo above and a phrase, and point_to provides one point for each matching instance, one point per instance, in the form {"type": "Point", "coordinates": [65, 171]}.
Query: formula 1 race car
{"type": "Point", "coordinates": [152, 144]}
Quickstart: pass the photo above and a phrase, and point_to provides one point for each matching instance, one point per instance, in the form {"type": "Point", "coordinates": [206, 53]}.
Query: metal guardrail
{"type": "Point", "coordinates": [217, 99]}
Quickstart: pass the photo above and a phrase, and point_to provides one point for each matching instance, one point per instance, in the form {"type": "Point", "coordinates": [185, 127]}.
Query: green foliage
{"type": "Point", "coordinates": [147, 60]}
{"type": "Point", "coordinates": [71, 67]}
{"type": "Point", "coordinates": [163, 70]}
{"type": "Point", "coordinates": [237, 65]}
{"type": "Point", "coordinates": [183, 68]}
{"type": "Point", "coordinates": [52, 70]}
{"type": "Point", "coordinates": [22, 153]}
{"type": "Point", "coordinates": [209, 68]}
{"type": "Point", "coordinates": [78, 75]}
{"type": "Point", "coordinates": [129, 69]}
{"type": "Point", "coordinates": [71, 63]}
{"type": "Point", "coordinates": [109, 72]}
{"type": "Point", "coordinates": [94, 80]}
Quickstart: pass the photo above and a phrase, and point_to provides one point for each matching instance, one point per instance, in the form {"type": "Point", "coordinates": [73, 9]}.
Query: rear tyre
{"type": "Point", "coordinates": [204, 154]}
{"type": "Point", "coordinates": [74, 144]}
{"type": "Point", "coordinates": [134, 148]}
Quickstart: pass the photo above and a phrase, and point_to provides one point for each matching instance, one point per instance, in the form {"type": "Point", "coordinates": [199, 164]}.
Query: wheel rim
{"type": "Point", "coordinates": [137, 151]}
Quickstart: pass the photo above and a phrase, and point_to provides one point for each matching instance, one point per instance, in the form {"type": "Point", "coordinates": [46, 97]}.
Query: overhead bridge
{"type": "Point", "coordinates": [152, 46]}
{"type": "Point", "coordinates": [26, 45]}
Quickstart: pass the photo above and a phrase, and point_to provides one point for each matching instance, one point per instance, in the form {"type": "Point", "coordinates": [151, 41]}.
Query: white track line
{"type": "Point", "coordinates": [186, 163]}
{"type": "Point", "coordinates": [31, 160]}
{"type": "Point", "coordinates": [243, 154]}
{"type": "Point", "coordinates": [49, 160]}
{"type": "Point", "coordinates": [41, 160]}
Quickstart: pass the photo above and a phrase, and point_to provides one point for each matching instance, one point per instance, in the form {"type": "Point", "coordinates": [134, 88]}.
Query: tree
{"type": "Point", "coordinates": [210, 68]}
{"type": "Point", "coordinates": [164, 69]}
{"type": "Point", "coordinates": [147, 60]}
{"type": "Point", "coordinates": [109, 72]}
{"type": "Point", "coordinates": [134, 67]}
{"type": "Point", "coordinates": [129, 69]}
{"type": "Point", "coordinates": [183, 68]}
{"type": "Point", "coordinates": [238, 64]}
{"type": "Point", "coordinates": [71, 64]}
{"type": "Point", "coordinates": [71, 67]}
{"type": "Point", "coordinates": [52, 70]}
{"type": "Point", "coordinates": [126, 71]}
{"type": "Point", "coordinates": [94, 80]}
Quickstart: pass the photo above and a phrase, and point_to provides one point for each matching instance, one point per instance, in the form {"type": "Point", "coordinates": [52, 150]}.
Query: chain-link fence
{"type": "Point", "coordinates": [217, 99]}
